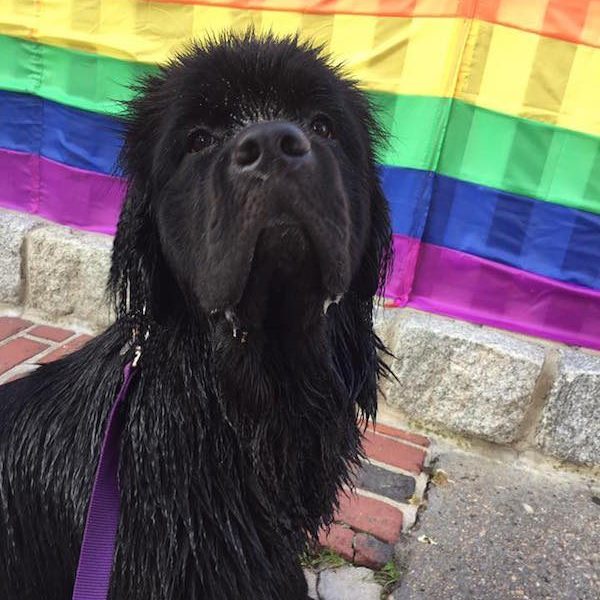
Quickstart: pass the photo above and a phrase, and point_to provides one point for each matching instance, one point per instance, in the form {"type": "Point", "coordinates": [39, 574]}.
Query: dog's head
{"type": "Point", "coordinates": [251, 183]}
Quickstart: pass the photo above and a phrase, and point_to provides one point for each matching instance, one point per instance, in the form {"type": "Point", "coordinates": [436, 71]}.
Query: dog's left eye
{"type": "Point", "coordinates": [322, 126]}
{"type": "Point", "coordinates": [200, 139]}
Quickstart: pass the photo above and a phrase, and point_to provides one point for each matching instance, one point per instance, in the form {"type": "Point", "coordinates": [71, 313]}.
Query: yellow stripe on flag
{"type": "Point", "coordinates": [493, 66]}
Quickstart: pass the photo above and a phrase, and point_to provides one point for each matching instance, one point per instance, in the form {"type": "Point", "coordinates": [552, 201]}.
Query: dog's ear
{"type": "Point", "coordinates": [373, 270]}
{"type": "Point", "coordinates": [135, 253]}
{"type": "Point", "coordinates": [144, 118]}
{"type": "Point", "coordinates": [358, 351]}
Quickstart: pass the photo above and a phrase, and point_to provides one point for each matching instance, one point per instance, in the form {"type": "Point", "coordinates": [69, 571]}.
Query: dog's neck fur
{"type": "Point", "coordinates": [267, 434]}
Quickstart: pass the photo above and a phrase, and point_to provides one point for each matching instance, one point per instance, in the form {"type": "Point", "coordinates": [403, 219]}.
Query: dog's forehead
{"type": "Point", "coordinates": [253, 82]}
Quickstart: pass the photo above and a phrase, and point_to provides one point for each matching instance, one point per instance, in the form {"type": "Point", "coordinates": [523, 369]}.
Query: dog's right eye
{"type": "Point", "coordinates": [200, 139]}
{"type": "Point", "coordinates": [322, 126]}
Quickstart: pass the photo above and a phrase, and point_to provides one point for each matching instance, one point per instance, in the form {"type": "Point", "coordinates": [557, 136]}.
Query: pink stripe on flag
{"type": "Point", "coordinates": [399, 281]}
{"type": "Point", "coordinates": [476, 289]}
{"type": "Point", "coordinates": [66, 195]}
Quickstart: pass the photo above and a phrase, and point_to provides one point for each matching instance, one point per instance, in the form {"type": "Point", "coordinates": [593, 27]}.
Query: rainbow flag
{"type": "Point", "coordinates": [493, 109]}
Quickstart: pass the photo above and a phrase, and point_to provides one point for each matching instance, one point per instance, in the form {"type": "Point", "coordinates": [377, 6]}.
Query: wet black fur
{"type": "Point", "coordinates": [234, 449]}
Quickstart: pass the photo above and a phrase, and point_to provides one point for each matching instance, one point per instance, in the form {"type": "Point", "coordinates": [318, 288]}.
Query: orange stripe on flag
{"type": "Point", "coordinates": [591, 30]}
{"type": "Point", "coordinates": [487, 10]}
{"type": "Point", "coordinates": [565, 18]}
{"type": "Point", "coordinates": [571, 20]}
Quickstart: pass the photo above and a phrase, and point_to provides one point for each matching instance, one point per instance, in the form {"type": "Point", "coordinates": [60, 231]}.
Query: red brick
{"type": "Point", "coordinates": [370, 552]}
{"type": "Point", "coordinates": [371, 516]}
{"type": "Point", "coordinates": [54, 334]}
{"type": "Point", "coordinates": [394, 453]}
{"type": "Point", "coordinates": [339, 539]}
{"type": "Point", "coordinates": [399, 434]}
{"type": "Point", "coordinates": [18, 350]}
{"type": "Point", "coordinates": [11, 325]}
{"type": "Point", "coordinates": [69, 347]}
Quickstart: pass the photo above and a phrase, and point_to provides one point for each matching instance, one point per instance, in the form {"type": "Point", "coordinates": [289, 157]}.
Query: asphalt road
{"type": "Point", "coordinates": [501, 532]}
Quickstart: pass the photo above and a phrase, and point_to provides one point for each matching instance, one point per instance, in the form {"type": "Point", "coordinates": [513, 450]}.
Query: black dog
{"type": "Point", "coordinates": [252, 240]}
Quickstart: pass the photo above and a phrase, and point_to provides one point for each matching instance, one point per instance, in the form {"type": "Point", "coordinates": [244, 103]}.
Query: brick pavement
{"type": "Point", "coordinates": [389, 487]}
{"type": "Point", "coordinates": [24, 345]}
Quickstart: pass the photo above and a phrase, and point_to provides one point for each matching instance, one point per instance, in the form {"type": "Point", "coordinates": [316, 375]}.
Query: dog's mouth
{"type": "Point", "coordinates": [284, 287]}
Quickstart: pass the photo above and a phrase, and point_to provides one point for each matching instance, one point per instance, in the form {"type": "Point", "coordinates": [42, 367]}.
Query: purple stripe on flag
{"type": "Point", "coordinates": [475, 289]}
{"type": "Point", "coordinates": [66, 195]}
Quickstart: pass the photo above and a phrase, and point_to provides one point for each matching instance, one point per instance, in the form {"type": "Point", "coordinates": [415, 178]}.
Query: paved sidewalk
{"type": "Point", "coordinates": [389, 489]}
{"type": "Point", "coordinates": [501, 531]}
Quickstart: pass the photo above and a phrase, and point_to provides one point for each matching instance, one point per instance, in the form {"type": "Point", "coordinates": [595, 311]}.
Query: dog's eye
{"type": "Point", "coordinates": [322, 126]}
{"type": "Point", "coordinates": [200, 139]}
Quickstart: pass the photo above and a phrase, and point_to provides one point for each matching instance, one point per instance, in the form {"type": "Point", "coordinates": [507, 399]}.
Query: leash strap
{"type": "Point", "coordinates": [99, 536]}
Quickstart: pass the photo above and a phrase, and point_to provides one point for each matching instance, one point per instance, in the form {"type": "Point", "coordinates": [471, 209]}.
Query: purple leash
{"type": "Point", "coordinates": [99, 536]}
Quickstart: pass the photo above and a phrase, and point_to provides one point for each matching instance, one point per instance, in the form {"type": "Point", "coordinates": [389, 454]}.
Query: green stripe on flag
{"type": "Point", "coordinates": [449, 136]}
{"type": "Point", "coordinates": [79, 79]}
{"type": "Point", "coordinates": [492, 149]}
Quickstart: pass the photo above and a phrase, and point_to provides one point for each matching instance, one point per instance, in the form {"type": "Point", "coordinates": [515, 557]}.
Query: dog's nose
{"type": "Point", "coordinates": [263, 142]}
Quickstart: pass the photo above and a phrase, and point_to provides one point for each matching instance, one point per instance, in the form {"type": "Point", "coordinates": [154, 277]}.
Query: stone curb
{"type": "Point", "coordinates": [14, 227]}
{"type": "Point", "coordinates": [55, 273]}
{"type": "Point", "coordinates": [463, 379]}
{"type": "Point", "coordinates": [569, 428]}
{"type": "Point", "coordinates": [472, 380]}
{"type": "Point", "coordinates": [347, 583]}
{"type": "Point", "coordinates": [66, 273]}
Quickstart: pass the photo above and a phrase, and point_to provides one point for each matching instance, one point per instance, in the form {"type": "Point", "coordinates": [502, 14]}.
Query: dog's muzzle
{"type": "Point", "coordinates": [279, 207]}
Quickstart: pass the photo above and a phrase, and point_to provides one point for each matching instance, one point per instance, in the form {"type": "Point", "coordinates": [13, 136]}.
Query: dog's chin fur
{"type": "Point", "coordinates": [241, 422]}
